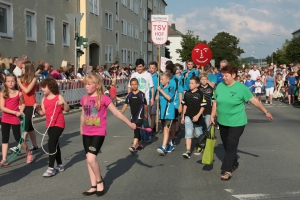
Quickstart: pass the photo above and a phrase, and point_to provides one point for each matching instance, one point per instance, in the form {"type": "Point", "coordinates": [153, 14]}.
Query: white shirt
{"type": "Point", "coordinates": [17, 72]}
{"type": "Point", "coordinates": [145, 83]}
{"type": "Point", "coordinates": [254, 74]}
{"type": "Point", "coordinates": [79, 75]}
{"type": "Point", "coordinates": [258, 89]}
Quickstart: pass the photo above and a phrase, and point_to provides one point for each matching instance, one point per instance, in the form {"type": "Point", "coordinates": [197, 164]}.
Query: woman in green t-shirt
{"type": "Point", "coordinates": [229, 105]}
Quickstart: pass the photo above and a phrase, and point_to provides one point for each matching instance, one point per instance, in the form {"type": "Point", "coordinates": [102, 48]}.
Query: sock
{"type": "Point", "coordinates": [170, 143]}
{"type": "Point", "coordinates": [188, 150]}
{"type": "Point", "coordinates": [164, 147]}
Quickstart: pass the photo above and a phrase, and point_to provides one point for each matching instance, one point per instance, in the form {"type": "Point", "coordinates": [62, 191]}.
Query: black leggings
{"type": "Point", "coordinates": [28, 118]}
{"type": "Point", "coordinates": [54, 133]}
{"type": "Point", "coordinates": [6, 130]}
{"type": "Point", "coordinates": [137, 132]}
{"type": "Point", "coordinates": [230, 137]}
{"type": "Point", "coordinates": [92, 144]}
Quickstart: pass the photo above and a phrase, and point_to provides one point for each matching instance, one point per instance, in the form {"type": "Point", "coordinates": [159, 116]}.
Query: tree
{"type": "Point", "coordinates": [293, 50]}
{"type": "Point", "coordinates": [225, 46]}
{"type": "Point", "coordinates": [188, 42]}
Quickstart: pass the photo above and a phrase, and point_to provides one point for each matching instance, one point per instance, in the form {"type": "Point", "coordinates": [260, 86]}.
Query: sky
{"type": "Point", "coordinates": [252, 21]}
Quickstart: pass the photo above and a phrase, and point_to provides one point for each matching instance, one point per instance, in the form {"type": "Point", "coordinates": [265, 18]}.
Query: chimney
{"type": "Point", "coordinates": [173, 26]}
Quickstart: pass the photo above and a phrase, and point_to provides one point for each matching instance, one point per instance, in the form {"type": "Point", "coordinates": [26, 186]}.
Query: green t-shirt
{"type": "Point", "coordinates": [231, 104]}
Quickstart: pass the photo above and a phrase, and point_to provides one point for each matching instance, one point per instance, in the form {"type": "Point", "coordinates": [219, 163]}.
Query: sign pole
{"type": "Point", "coordinates": [158, 80]}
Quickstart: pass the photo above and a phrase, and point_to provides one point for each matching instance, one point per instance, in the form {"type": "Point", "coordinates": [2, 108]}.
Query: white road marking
{"type": "Point", "coordinates": [250, 196]}
{"type": "Point", "coordinates": [229, 190]}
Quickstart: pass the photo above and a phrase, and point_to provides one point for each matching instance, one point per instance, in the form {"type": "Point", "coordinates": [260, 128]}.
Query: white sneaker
{"type": "Point", "coordinates": [50, 172]}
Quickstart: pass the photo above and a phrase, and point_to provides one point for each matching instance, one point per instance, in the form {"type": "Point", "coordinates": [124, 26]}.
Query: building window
{"type": "Point", "coordinates": [141, 3]}
{"type": "Point", "coordinates": [141, 25]}
{"type": "Point", "coordinates": [136, 32]}
{"type": "Point", "coordinates": [123, 2]}
{"type": "Point", "coordinates": [145, 14]}
{"type": "Point", "coordinates": [128, 4]}
{"type": "Point", "coordinates": [124, 27]}
{"type": "Point", "coordinates": [6, 20]}
{"type": "Point", "coordinates": [94, 7]}
{"type": "Point", "coordinates": [108, 20]}
{"type": "Point", "coordinates": [131, 4]}
{"type": "Point", "coordinates": [145, 57]}
{"type": "Point", "coordinates": [136, 7]}
{"type": "Point", "coordinates": [117, 41]}
{"type": "Point", "coordinates": [108, 54]}
{"type": "Point", "coordinates": [30, 25]}
{"type": "Point", "coordinates": [50, 30]}
{"type": "Point", "coordinates": [145, 36]}
{"type": "Point", "coordinates": [117, 10]}
{"type": "Point", "coordinates": [124, 52]}
{"type": "Point", "coordinates": [155, 3]}
{"type": "Point", "coordinates": [130, 27]}
{"type": "Point", "coordinates": [136, 55]}
{"type": "Point", "coordinates": [66, 34]}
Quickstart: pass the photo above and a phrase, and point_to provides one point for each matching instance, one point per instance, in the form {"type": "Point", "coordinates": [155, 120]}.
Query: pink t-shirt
{"type": "Point", "coordinates": [95, 120]}
{"type": "Point", "coordinates": [58, 116]}
{"type": "Point", "coordinates": [12, 104]}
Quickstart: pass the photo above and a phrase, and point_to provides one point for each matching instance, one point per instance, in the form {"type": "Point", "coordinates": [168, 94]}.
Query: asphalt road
{"type": "Point", "coordinates": [269, 164]}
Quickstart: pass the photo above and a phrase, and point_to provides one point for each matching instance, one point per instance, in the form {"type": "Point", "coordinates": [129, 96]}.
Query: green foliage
{"type": "Point", "coordinates": [188, 42]}
{"type": "Point", "coordinates": [293, 50]}
{"type": "Point", "coordinates": [225, 46]}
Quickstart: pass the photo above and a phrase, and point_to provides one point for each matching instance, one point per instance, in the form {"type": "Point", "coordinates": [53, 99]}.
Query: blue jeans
{"type": "Point", "coordinates": [190, 126]}
{"type": "Point", "coordinates": [207, 122]}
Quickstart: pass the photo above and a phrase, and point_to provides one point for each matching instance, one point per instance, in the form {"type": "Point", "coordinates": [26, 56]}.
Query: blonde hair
{"type": "Point", "coordinates": [29, 74]}
{"type": "Point", "coordinates": [167, 74]}
{"type": "Point", "coordinates": [5, 88]}
{"type": "Point", "coordinates": [4, 64]}
{"type": "Point", "coordinates": [96, 79]}
{"type": "Point", "coordinates": [203, 75]}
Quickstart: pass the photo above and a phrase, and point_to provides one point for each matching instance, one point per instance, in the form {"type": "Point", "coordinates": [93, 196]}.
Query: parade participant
{"type": "Point", "coordinates": [291, 85]}
{"type": "Point", "coordinates": [258, 88]}
{"type": "Point", "coordinates": [53, 105]}
{"type": "Point", "coordinates": [192, 118]}
{"type": "Point", "coordinates": [139, 110]}
{"type": "Point", "coordinates": [10, 99]}
{"type": "Point", "coordinates": [152, 109]}
{"type": "Point", "coordinates": [207, 92]}
{"type": "Point", "coordinates": [270, 85]}
{"type": "Point", "coordinates": [229, 104]}
{"type": "Point", "coordinates": [188, 74]}
{"type": "Point", "coordinates": [93, 124]}
{"type": "Point", "coordinates": [167, 110]}
{"type": "Point", "coordinates": [28, 85]}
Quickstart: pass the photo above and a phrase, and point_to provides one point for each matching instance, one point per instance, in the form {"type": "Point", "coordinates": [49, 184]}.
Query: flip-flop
{"type": "Point", "coordinates": [227, 176]}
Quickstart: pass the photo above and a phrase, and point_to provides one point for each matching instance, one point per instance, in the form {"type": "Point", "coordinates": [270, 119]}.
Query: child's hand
{"type": "Point", "coordinates": [18, 114]}
{"type": "Point", "coordinates": [212, 120]}
{"type": "Point", "coordinates": [158, 88]}
{"type": "Point", "coordinates": [146, 116]}
{"type": "Point", "coordinates": [132, 126]}
{"type": "Point", "coordinates": [195, 118]}
{"type": "Point", "coordinates": [182, 120]}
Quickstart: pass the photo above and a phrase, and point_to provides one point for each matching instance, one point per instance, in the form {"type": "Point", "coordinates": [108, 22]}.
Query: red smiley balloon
{"type": "Point", "coordinates": [201, 54]}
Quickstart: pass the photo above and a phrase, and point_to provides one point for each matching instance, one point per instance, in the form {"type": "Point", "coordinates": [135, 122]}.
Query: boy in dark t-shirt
{"type": "Point", "coordinates": [139, 110]}
{"type": "Point", "coordinates": [193, 107]}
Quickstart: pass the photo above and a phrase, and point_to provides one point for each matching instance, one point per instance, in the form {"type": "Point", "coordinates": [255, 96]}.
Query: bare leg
{"type": "Point", "coordinates": [4, 151]}
{"type": "Point", "coordinates": [94, 171]}
{"type": "Point", "coordinates": [188, 142]}
{"type": "Point", "coordinates": [166, 136]}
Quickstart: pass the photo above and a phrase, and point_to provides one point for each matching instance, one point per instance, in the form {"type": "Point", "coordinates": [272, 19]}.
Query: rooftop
{"type": "Point", "coordinates": [173, 31]}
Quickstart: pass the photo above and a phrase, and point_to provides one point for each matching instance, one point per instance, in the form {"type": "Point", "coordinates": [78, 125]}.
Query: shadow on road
{"type": "Point", "coordinates": [120, 167]}
{"type": "Point", "coordinates": [258, 121]}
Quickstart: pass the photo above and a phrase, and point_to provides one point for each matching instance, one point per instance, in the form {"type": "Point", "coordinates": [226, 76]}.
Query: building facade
{"type": "Point", "coordinates": [117, 30]}
{"type": "Point", "coordinates": [37, 28]}
{"type": "Point", "coordinates": [296, 33]}
{"type": "Point", "coordinates": [175, 43]}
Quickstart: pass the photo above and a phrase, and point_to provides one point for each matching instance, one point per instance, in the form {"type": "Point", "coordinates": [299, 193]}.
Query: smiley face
{"type": "Point", "coordinates": [201, 54]}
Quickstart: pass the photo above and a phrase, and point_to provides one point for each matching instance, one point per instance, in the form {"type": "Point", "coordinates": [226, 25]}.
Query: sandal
{"type": "Point", "coordinates": [90, 193]}
{"type": "Point", "coordinates": [3, 163]}
{"type": "Point", "coordinates": [226, 176]}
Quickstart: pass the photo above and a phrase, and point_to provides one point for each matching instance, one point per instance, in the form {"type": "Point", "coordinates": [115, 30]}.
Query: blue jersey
{"type": "Point", "coordinates": [219, 77]}
{"type": "Point", "coordinates": [212, 78]}
{"type": "Point", "coordinates": [191, 73]}
{"type": "Point", "coordinates": [167, 109]}
{"type": "Point", "coordinates": [249, 83]}
{"type": "Point", "coordinates": [178, 90]}
{"type": "Point", "coordinates": [292, 81]}
{"type": "Point", "coordinates": [155, 84]}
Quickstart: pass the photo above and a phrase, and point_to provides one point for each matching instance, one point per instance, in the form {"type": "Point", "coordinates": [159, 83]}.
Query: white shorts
{"type": "Point", "coordinates": [269, 91]}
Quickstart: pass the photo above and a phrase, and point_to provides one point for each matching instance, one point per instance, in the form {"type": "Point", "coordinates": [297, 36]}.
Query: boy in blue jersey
{"type": "Point", "coordinates": [219, 75]}
{"type": "Point", "coordinates": [188, 74]}
{"type": "Point", "coordinates": [152, 109]}
{"type": "Point", "coordinates": [177, 103]}
{"type": "Point", "coordinates": [167, 111]}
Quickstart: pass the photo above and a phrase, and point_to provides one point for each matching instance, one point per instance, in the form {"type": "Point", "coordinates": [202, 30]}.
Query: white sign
{"type": "Point", "coordinates": [159, 29]}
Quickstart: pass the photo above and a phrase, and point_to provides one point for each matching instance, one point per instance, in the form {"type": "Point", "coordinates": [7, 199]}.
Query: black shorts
{"type": "Point", "coordinates": [166, 123]}
{"type": "Point", "coordinates": [28, 118]}
{"type": "Point", "coordinates": [92, 144]}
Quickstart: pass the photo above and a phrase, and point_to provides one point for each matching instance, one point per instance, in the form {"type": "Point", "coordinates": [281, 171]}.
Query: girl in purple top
{"type": "Point", "coordinates": [10, 99]}
{"type": "Point", "coordinates": [93, 125]}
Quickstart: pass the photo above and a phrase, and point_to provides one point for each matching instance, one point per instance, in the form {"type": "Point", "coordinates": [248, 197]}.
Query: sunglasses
{"type": "Point", "coordinates": [178, 68]}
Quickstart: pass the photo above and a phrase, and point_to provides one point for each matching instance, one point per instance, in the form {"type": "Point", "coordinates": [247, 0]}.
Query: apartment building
{"type": "Point", "coordinates": [117, 30]}
{"type": "Point", "coordinates": [37, 28]}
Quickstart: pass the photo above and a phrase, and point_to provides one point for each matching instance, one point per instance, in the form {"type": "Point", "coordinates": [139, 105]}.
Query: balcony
{"type": "Point", "coordinates": [150, 46]}
{"type": "Point", "coordinates": [150, 4]}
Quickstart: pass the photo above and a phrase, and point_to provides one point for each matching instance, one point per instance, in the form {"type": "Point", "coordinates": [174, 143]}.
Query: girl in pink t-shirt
{"type": "Point", "coordinates": [53, 105]}
{"type": "Point", "coordinates": [10, 99]}
{"type": "Point", "coordinates": [93, 128]}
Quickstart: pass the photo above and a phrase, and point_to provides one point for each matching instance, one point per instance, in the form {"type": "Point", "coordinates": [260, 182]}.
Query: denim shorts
{"type": "Point", "coordinates": [190, 126]}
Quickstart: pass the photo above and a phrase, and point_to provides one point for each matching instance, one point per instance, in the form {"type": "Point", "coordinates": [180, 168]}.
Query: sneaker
{"type": "Point", "coordinates": [187, 154]}
{"type": "Point", "coordinates": [132, 149]}
{"type": "Point", "coordinates": [50, 172]}
{"type": "Point", "coordinates": [59, 168]}
{"type": "Point", "coordinates": [199, 151]}
{"type": "Point", "coordinates": [33, 148]}
{"type": "Point", "coordinates": [15, 150]}
{"type": "Point", "coordinates": [266, 102]}
{"type": "Point", "coordinates": [139, 148]}
{"type": "Point", "coordinates": [147, 137]}
{"type": "Point", "coordinates": [161, 151]}
{"type": "Point", "coordinates": [271, 103]}
{"type": "Point", "coordinates": [3, 163]}
{"type": "Point", "coordinates": [170, 148]}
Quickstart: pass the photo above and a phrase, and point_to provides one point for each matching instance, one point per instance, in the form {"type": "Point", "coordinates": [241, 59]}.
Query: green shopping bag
{"type": "Point", "coordinates": [208, 155]}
